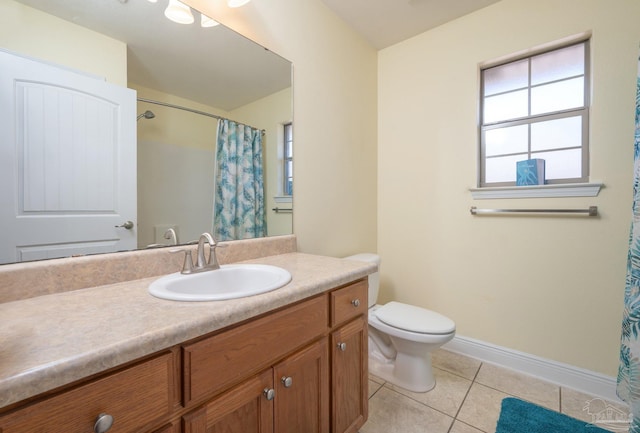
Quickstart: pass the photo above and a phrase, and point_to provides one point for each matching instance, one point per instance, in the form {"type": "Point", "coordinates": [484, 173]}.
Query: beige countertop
{"type": "Point", "coordinates": [53, 340]}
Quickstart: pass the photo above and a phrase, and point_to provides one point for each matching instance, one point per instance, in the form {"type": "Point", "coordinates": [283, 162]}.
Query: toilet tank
{"type": "Point", "coordinates": [374, 279]}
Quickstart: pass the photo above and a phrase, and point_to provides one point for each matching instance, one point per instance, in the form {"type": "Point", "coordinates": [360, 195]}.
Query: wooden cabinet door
{"type": "Point", "coordinates": [349, 379]}
{"type": "Point", "coordinates": [225, 359]}
{"type": "Point", "coordinates": [302, 391]}
{"type": "Point", "coordinates": [137, 397]}
{"type": "Point", "coordinates": [243, 409]}
{"type": "Point", "coordinates": [169, 428]}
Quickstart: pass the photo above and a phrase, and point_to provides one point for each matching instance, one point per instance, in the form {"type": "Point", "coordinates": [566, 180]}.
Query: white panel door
{"type": "Point", "coordinates": [67, 162]}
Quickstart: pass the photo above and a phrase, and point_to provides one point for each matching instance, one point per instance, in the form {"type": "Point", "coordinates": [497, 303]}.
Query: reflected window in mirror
{"type": "Point", "coordinates": [288, 159]}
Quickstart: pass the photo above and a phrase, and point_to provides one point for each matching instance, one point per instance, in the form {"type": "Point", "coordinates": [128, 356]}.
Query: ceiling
{"type": "Point", "coordinates": [387, 22]}
{"type": "Point", "coordinates": [214, 66]}
{"type": "Point", "coordinates": [167, 56]}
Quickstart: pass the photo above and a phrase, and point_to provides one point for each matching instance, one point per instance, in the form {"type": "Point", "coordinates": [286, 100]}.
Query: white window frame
{"type": "Point", "coordinates": [556, 187]}
{"type": "Point", "coordinates": [286, 158]}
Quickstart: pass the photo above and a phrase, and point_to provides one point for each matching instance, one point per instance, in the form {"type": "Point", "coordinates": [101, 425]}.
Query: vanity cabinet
{"type": "Point", "coordinates": [215, 362]}
{"type": "Point", "coordinates": [349, 380]}
{"type": "Point", "coordinates": [291, 397]}
{"type": "Point", "coordinates": [246, 408]}
{"type": "Point", "coordinates": [293, 394]}
{"type": "Point", "coordinates": [136, 397]}
{"type": "Point", "coordinates": [349, 358]}
{"type": "Point", "coordinates": [169, 428]}
{"type": "Point", "coordinates": [302, 391]}
{"type": "Point", "coordinates": [295, 389]}
{"type": "Point", "coordinates": [299, 369]}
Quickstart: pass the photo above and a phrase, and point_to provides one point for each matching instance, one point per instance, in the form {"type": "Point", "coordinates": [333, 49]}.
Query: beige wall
{"type": "Point", "coordinates": [22, 29]}
{"type": "Point", "coordinates": [334, 118]}
{"type": "Point", "coordinates": [548, 286]}
{"type": "Point", "coordinates": [178, 127]}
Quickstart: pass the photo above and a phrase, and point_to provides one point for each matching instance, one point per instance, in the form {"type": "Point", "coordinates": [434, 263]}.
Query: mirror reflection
{"type": "Point", "coordinates": [201, 93]}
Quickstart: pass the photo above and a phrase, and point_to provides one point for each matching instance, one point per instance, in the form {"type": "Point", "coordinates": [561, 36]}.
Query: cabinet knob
{"type": "Point", "coordinates": [342, 346]}
{"type": "Point", "coordinates": [269, 393]}
{"type": "Point", "coordinates": [103, 423]}
{"type": "Point", "coordinates": [287, 381]}
{"type": "Point", "coordinates": [355, 303]}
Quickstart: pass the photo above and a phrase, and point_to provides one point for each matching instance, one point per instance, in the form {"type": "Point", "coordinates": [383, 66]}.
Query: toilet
{"type": "Point", "coordinates": [402, 337]}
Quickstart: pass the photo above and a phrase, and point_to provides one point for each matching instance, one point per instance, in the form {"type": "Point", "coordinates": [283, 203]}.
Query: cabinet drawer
{"type": "Point", "coordinates": [349, 302]}
{"type": "Point", "coordinates": [134, 397]}
{"type": "Point", "coordinates": [219, 361]}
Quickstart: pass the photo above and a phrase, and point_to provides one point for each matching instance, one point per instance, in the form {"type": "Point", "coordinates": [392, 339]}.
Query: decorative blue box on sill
{"type": "Point", "coordinates": [530, 172]}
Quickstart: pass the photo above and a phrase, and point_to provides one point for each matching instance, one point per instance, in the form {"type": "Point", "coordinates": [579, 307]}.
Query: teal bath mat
{"type": "Point", "coordinates": [517, 416]}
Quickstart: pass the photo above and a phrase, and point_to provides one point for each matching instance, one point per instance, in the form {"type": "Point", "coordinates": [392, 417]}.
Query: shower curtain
{"type": "Point", "coordinates": [239, 184]}
{"type": "Point", "coordinates": [629, 371]}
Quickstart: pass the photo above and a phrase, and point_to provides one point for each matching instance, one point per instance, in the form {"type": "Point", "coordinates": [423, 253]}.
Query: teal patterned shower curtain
{"type": "Point", "coordinates": [239, 189]}
{"type": "Point", "coordinates": [629, 372]}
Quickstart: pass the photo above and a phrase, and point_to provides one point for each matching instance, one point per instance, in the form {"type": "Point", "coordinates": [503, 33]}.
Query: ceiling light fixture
{"type": "Point", "coordinates": [179, 12]}
{"type": "Point", "coordinates": [206, 21]}
{"type": "Point", "coordinates": [237, 3]}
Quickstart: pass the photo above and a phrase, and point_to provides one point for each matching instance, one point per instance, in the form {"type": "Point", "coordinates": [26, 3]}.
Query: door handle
{"type": "Point", "coordinates": [127, 225]}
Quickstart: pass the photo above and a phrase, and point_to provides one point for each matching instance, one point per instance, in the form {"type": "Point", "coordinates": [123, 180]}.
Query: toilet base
{"type": "Point", "coordinates": [413, 373]}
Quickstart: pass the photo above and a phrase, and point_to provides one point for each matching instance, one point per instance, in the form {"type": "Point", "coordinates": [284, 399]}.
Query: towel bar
{"type": "Point", "coordinates": [282, 210]}
{"type": "Point", "coordinates": [591, 211]}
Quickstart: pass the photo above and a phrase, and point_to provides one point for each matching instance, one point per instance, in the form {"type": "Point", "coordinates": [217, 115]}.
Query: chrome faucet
{"type": "Point", "coordinates": [202, 264]}
{"type": "Point", "coordinates": [212, 263]}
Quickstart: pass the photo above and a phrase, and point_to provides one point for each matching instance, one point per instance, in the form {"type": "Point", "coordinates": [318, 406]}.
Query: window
{"type": "Point", "coordinates": [536, 107]}
{"type": "Point", "coordinates": [287, 153]}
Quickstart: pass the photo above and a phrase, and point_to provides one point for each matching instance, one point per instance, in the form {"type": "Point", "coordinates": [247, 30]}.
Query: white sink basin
{"type": "Point", "coordinates": [228, 282]}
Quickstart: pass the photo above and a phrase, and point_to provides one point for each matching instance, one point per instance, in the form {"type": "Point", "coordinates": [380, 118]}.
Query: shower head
{"type": "Point", "coordinates": [147, 115]}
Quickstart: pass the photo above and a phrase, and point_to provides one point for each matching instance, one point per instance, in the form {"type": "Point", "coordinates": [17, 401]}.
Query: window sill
{"type": "Point", "coordinates": [538, 191]}
{"type": "Point", "coordinates": [282, 199]}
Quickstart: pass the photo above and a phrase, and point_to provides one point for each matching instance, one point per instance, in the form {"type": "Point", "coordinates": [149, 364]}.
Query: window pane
{"type": "Point", "coordinates": [501, 141]}
{"type": "Point", "coordinates": [556, 65]}
{"type": "Point", "coordinates": [555, 134]}
{"type": "Point", "coordinates": [288, 149]}
{"type": "Point", "coordinates": [506, 77]}
{"type": "Point", "coordinates": [502, 169]}
{"type": "Point", "coordinates": [561, 164]}
{"type": "Point", "coordinates": [506, 106]}
{"type": "Point", "coordinates": [557, 96]}
{"type": "Point", "coordinates": [288, 132]}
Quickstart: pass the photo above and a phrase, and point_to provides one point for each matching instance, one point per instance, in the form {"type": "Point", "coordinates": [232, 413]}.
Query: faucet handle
{"type": "Point", "coordinates": [187, 266]}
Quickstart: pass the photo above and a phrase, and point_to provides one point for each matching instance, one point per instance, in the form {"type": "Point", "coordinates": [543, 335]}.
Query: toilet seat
{"type": "Point", "coordinates": [414, 319]}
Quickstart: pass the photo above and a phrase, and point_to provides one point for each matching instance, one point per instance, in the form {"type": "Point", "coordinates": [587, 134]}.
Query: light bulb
{"type": "Point", "coordinates": [179, 12]}
{"type": "Point", "coordinates": [205, 21]}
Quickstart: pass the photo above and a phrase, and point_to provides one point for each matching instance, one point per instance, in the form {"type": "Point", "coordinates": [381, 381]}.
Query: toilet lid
{"type": "Point", "coordinates": [414, 319]}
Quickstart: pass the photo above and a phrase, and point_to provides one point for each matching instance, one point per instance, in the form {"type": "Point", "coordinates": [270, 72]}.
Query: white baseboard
{"type": "Point", "coordinates": [589, 382]}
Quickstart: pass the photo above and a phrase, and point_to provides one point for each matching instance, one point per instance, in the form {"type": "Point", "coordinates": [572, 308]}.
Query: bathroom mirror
{"type": "Point", "coordinates": [196, 73]}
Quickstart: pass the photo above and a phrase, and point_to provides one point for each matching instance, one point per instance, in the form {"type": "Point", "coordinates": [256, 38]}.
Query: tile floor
{"type": "Point", "coordinates": [466, 399]}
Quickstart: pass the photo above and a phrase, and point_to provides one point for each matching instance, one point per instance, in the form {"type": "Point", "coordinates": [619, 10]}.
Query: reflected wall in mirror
{"type": "Point", "coordinates": [205, 72]}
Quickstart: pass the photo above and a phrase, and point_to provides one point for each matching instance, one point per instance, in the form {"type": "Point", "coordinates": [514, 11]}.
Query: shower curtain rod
{"type": "Point", "coordinates": [191, 110]}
